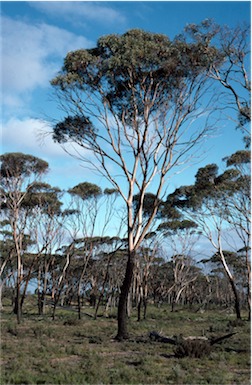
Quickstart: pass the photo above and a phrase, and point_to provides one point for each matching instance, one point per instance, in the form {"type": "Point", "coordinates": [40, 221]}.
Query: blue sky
{"type": "Point", "coordinates": [36, 36]}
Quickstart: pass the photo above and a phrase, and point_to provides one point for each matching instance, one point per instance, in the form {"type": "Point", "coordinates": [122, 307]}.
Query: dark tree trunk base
{"type": "Point", "coordinates": [122, 319]}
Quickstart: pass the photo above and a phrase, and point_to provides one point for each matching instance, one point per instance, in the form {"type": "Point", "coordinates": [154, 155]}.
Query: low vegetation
{"type": "Point", "coordinates": [72, 351]}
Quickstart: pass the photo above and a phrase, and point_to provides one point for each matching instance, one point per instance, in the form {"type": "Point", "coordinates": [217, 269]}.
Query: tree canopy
{"type": "Point", "coordinates": [17, 164]}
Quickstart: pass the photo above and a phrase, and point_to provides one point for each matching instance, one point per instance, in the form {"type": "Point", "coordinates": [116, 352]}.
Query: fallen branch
{"type": "Point", "coordinates": [191, 346]}
{"type": "Point", "coordinates": [157, 337]}
{"type": "Point", "coordinates": [216, 340]}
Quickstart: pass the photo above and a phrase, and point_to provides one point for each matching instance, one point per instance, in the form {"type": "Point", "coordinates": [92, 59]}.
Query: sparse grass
{"type": "Point", "coordinates": [72, 351]}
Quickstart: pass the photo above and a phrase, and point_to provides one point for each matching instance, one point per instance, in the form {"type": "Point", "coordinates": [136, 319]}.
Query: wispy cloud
{"type": "Point", "coordinates": [32, 54]}
{"type": "Point", "coordinates": [82, 11]}
{"type": "Point", "coordinates": [29, 135]}
{"type": "Point", "coordinates": [33, 136]}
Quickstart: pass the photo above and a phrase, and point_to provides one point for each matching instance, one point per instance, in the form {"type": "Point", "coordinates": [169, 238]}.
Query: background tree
{"type": "Point", "coordinates": [112, 257]}
{"type": "Point", "coordinates": [236, 263]}
{"type": "Point", "coordinates": [64, 257]}
{"type": "Point", "coordinates": [7, 256]}
{"type": "Point", "coordinates": [233, 75]}
{"type": "Point", "coordinates": [129, 100]}
{"type": "Point", "coordinates": [146, 255]}
{"type": "Point", "coordinates": [238, 209]}
{"type": "Point", "coordinates": [94, 212]}
{"type": "Point", "coordinates": [206, 203]}
{"type": "Point", "coordinates": [86, 195]}
{"type": "Point", "coordinates": [181, 237]}
{"type": "Point", "coordinates": [46, 228]}
{"type": "Point", "coordinates": [18, 173]}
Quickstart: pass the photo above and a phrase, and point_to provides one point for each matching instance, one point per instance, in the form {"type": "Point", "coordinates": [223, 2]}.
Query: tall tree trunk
{"type": "Point", "coordinates": [249, 302]}
{"type": "Point", "coordinates": [249, 284]}
{"type": "Point", "coordinates": [233, 286]}
{"type": "Point", "coordinates": [79, 285]}
{"type": "Point", "coordinates": [27, 280]}
{"type": "Point", "coordinates": [39, 294]}
{"type": "Point", "coordinates": [1, 291]}
{"type": "Point", "coordinates": [17, 305]}
{"type": "Point", "coordinates": [46, 267]}
{"type": "Point", "coordinates": [122, 332]}
{"type": "Point", "coordinates": [79, 305]}
{"type": "Point", "coordinates": [18, 247]}
{"type": "Point", "coordinates": [145, 301]}
{"type": "Point", "coordinates": [237, 299]}
{"type": "Point", "coordinates": [145, 290]}
{"type": "Point", "coordinates": [139, 309]}
{"type": "Point", "coordinates": [61, 279]}
{"type": "Point", "coordinates": [17, 308]}
{"type": "Point", "coordinates": [3, 280]}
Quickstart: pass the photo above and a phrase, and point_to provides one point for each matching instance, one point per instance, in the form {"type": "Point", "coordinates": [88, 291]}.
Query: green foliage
{"type": "Point", "coordinates": [16, 164]}
{"type": "Point", "coordinates": [205, 176]}
{"type": "Point", "coordinates": [123, 68]}
{"type": "Point", "coordinates": [204, 31]}
{"type": "Point", "coordinates": [239, 157]}
{"type": "Point", "coordinates": [133, 48]}
{"type": "Point", "coordinates": [149, 200]}
{"type": "Point", "coordinates": [45, 197]}
{"type": "Point", "coordinates": [110, 191]}
{"type": "Point", "coordinates": [234, 48]}
{"type": "Point", "coordinates": [176, 225]}
{"type": "Point", "coordinates": [86, 190]}
{"type": "Point", "coordinates": [77, 127]}
{"type": "Point", "coordinates": [209, 186]}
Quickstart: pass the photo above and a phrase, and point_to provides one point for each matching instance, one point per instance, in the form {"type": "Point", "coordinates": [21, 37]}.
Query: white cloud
{"type": "Point", "coordinates": [33, 136]}
{"type": "Point", "coordinates": [29, 136]}
{"type": "Point", "coordinates": [80, 11]}
{"type": "Point", "coordinates": [32, 54]}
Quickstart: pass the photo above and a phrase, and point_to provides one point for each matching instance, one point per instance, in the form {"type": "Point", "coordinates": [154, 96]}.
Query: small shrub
{"type": "Point", "coordinates": [79, 334]}
{"type": "Point", "coordinates": [38, 331]}
{"type": "Point", "coordinates": [192, 348]}
{"type": "Point", "coordinates": [235, 323]}
{"type": "Point", "coordinates": [177, 375]}
{"type": "Point", "coordinates": [71, 322]}
{"type": "Point", "coordinates": [42, 331]}
{"type": "Point", "coordinates": [95, 340]}
{"type": "Point", "coordinates": [12, 329]}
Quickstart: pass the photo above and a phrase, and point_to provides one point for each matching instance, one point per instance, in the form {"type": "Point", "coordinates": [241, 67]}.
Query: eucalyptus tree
{"type": "Point", "coordinates": [18, 174]}
{"type": "Point", "coordinates": [6, 256]}
{"type": "Point", "coordinates": [146, 254]}
{"type": "Point", "coordinates": [236, 263]}
{"type": "Point", "coordinates": [110, 262]}
{"type": "Point", "coordinates": [46, 232]}
{"type": "Point", "coordinates": [63, 259]}
{"type": "Point", "coordinates": [207, 204]}
{"type": "Point", "coordinates": [94, 210]}
{"type": "Point", "coordinates": [181, 236]}
{"type": "Point", "coordinates": [239, 203]}
{"type": "Point", "coordinates": [233, 75]}
{"type": "Point", "coordinates": [130, 103]}
{"type": "Point", "coordinates": [238, 208]}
